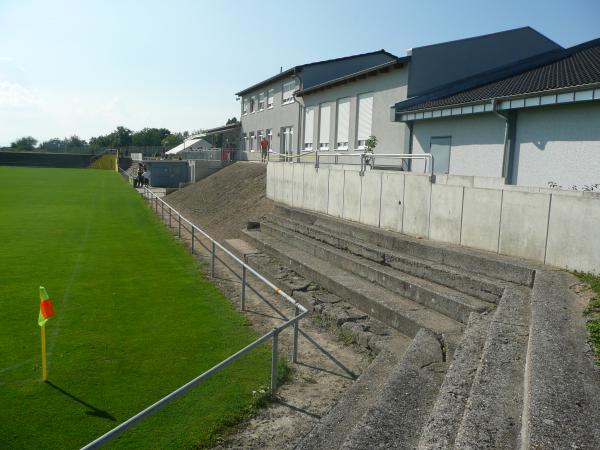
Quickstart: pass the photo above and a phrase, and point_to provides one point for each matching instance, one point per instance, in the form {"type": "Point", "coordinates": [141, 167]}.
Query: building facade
{"type": "Point", "coordinates": [271, 109]}
{"type": "Point", "coordinates": [537, 126]}
{"type": "Point", "coordinates": [340, 116]}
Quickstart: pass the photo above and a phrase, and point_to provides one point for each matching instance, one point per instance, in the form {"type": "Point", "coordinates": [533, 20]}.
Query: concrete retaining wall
{"type": "Point", "coordinates": [550, 226]}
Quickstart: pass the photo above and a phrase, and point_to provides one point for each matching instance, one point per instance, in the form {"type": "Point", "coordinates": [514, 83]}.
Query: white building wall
{"type": "Point", "coordinates": [477, 146]}
{"type": "Point", "coordinates": [387, 89]}
{"type": "Point", "coordinates": [559, 144]}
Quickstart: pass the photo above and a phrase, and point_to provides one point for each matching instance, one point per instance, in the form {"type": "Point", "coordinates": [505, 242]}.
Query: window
{"type": "Point", "coordinates": [269, 137]}
{"type": "Point", "coordinates": [287, 136]}
{"type": "Point", "coordinates": [324, 127]}
{"type": "Point", "coordinates": [261, 100]}
{"type": "Point", "coordinates": [288, 92]}
{"type": "Point", "coordinates": [253, 104]}
{"type": "Point", "coordinates": [309, 126]}
{"type": "Point", "coordinates": [343, 123]}
{"type": "Point", "coordinates": [270, 95]}
{"type": "Point", "coordinates": [365, 117]}
{"type": "Point", "coordinates": [439, 148]}
{"type": "Point", "coordinates": [244, 106]}
{"type": "Point", "coordinates": [245, 141]}
{"type": "Point", "coordinates": [252, 141]}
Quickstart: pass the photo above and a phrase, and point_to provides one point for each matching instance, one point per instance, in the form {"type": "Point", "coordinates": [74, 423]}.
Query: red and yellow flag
{"type": "Point", "coordinates": [46, 310]}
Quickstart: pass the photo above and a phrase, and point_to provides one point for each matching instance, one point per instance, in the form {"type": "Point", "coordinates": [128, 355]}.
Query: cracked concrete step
{"type": "Point", "coordinates": [454, 304]}
{"type": "Point", "coordinates": [395, 420]}
{"type": "Point", "coordinates": [479, 286]}
{"type": "Point", "coordinates": [331, 431]}
{"type": "Point", "coordinates": [446, 416]}
{"type": "Point", "coordinates": [392, 309]}
{"type": "Point", "coordinates": [470, 260]}
{"type": "Point", "coordinates": [364, 331]}
{"type": "Point", "coordinates": [562, 388]}
{"type": "Point", "coordinates": [492, 417]}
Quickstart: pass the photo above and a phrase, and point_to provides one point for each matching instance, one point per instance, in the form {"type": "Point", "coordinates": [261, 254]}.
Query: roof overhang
{"type": "Point", "coordinates": [279, 76]}
{"type": "Point", "coordinates": [573, 94]}
{"type": "Point", "coordinates": [371, 71]}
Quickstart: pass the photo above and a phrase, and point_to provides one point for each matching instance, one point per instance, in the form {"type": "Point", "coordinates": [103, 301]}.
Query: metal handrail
{"type": "Point", "coordinates": [366, 158]}
{"type": "Point", "coordinates": [299, 312]}
{"type": "Point", "coordinates": [369, 158]}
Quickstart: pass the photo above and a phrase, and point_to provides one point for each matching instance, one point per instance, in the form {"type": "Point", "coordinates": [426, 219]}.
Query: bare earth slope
{"type": "Point", "coordinates": [224, 202]}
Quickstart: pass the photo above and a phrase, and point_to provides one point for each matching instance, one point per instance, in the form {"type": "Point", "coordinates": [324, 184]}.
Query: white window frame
{"type": "Point", "coordinates": [362, 143]}
{"type": "Point", "coordinates": [262, 98]}
{"type": "Point", "coordinates": [245, 141]}
{"type": "Point", "coordinates": [244, 106]}
{"type": "Point", "coordinates": [342, 141]}
{"type": "Point", "coordinates": [252, 140]}
{"type": "Point", "coordinates": [309, 133]}
{"type": "Point", "coordinates": [287, 92]}
{"type": "Point", "coordinates": [269, 134]}
{"type": "Point", "coordinates": [270, 98]}
{"type": "Point", "coordinates": [324, 145]}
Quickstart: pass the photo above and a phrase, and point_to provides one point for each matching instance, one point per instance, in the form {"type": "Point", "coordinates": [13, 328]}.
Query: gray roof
{"type": "Point", "coordinates": [572, 67]}
{"type": "Point", "coordinates": [299, 68]}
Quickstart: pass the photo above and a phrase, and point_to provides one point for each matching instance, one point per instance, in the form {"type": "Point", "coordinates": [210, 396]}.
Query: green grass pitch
{"type": "Point", "coordinates": [134, 320]}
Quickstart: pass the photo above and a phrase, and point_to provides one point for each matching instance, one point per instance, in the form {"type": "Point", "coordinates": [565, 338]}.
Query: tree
{"type": "Point", "coordinates": [149, 137]}
{"type": "Point", "coordinates": [74, 142]}
{"type": "Point", "coordinates": [232, 120]}
{"type": "Point", "coordinates": [172, 140]}
{"type": "Point", "coordinates": [27, 143]}
{"type": "Point", "coordinates": [121, 137]}
{"type": "Point", "coordinates": [52, 145]}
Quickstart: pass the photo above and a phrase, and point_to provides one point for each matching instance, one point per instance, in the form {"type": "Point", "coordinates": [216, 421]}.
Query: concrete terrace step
{"type": "Point", "coordinates": [480, 262]}
{"type": "Point", "coordinates": [451, 303]}
{"type": "Point", "coordinates": [446, 416]}
{"type": "Point", "coordinates": [392, 309]}
{"type": "Point", "coordinates": [479, 286]}
{"type": "Point", "coordinates": [493, 414]}
{"type": "Point", "coordinates": [332, 429]}
{"type": "Point", "coordinates": [395, 420]}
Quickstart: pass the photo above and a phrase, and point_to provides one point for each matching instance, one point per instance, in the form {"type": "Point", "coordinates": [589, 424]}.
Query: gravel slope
{"type": "Point", "coordinates": [224, 202]}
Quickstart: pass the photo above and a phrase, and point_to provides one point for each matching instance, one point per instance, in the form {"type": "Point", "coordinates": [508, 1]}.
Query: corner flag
{"type": "Point", "coordinates": [46, 310]}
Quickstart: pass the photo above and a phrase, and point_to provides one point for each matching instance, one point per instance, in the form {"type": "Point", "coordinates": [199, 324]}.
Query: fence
{"type": "Point", "coordinates": [167, 211]}
{"type": "Point", "coordinates": [544, 225]}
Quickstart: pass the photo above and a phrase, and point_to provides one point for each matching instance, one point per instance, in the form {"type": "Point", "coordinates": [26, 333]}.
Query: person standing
{"type": "Point", "coordinates": [264, 149]}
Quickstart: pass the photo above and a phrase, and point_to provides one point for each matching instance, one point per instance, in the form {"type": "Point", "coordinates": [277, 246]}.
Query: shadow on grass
{"type": "Point", "coordinates": [94, 411]}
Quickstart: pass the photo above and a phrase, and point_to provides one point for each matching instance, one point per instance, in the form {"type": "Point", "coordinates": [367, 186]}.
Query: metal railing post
{"type": "Point", "coordinates": [274, 361]}
{"type": "Point", "coordinates": [296, 329]}
{"type": "Point", "coordinates": [243, 293]}
{"type": "Point", "coordinates": [179, 225]}
{"type": "Point", "coordinates": [317, 159]}
{"type": "Point", "coordinates": [192, 239]}
{"type": "Point", "coordinates": [162, 211]}
{"type": "Point", "coordinates": [212, 260]}
{"type": "Point", "coordinates": [169, 218]}
{"type": "Point", "coordinates": [155, 204]}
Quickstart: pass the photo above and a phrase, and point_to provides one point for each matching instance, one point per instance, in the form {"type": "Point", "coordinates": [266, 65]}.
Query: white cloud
{"type": "Point", "coordinates": [14, 95]}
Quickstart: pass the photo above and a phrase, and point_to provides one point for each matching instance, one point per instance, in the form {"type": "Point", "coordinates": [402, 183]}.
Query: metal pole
{"type": "Point", "coordinates": [243, 293]}
{"type": "Point", "coordinates": [212, 263]}
{"type": "Point", "coordinates": [296, 327]}
{"type": "Point", "coordinates": [274, 361]}
{"type": "Point", "coordinates": [179, 225]}
{"type": "Point", "coordinates": [155, 204]}
{"type": "Point", "coordinates": [192, 239]}
{"type": "Point", "coordinates": [162, 211]}
{"type": "Point", "coordinates": [169, 218]}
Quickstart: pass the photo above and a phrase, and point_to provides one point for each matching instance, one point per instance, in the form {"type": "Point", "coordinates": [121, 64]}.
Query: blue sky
{"type": "Point", "coordinates": [85, 67]}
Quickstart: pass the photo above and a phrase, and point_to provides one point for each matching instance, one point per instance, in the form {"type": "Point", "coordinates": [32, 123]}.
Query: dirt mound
{"type": "Point", "coordinates": [223, 203]}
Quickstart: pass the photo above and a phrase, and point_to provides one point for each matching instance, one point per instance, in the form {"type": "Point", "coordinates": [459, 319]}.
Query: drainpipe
{"type": "Point", "coordinates": [410, 144]}
{"type": "Point", "coordinates": [300, 116]}
{"type": "Point", "coordinates": [508, 142]}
